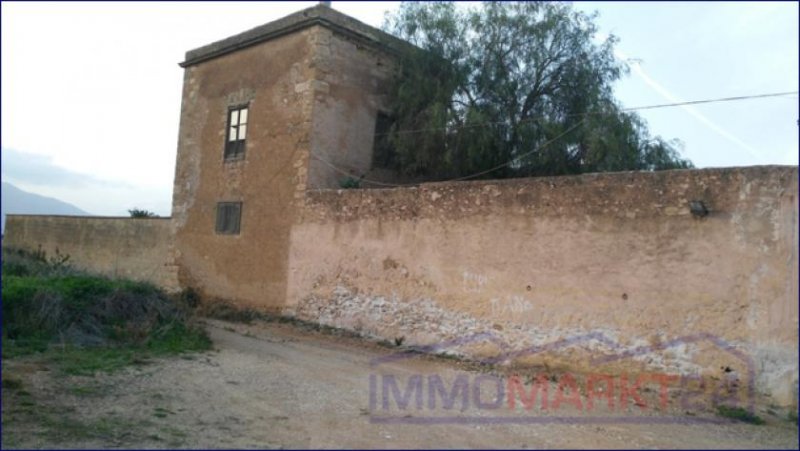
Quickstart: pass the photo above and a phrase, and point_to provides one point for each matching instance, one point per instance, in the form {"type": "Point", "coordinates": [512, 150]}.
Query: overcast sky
{"type": "Point", "coordinates": [91, 91]}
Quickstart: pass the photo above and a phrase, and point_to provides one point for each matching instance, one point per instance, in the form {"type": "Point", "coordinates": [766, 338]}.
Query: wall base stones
{"type": "Point", "coordinates": [615, 261]}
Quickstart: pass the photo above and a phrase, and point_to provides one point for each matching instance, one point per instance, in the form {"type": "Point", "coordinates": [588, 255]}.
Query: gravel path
{"type": "Point", "coordinates": [277, 386]}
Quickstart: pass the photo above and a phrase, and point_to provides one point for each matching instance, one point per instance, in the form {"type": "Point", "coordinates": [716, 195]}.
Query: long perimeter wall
{"type": "Point", "coordinates": [138, 249]}
{"type": "Point", "coordinates": [601, 264]}
{"type": "Point", "coordinates": [534, 261]}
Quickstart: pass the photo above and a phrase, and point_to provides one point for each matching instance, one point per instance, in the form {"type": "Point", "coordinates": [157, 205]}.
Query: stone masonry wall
{"type": "Point", "coordinates": [137, 249]}
{"type": "Point", "coordinates": [615, 261]}
{"type": "Point", "coordinates": [352, 82]}
{"type": "Point", "coordinates": [272, 78]}
{"type": "Point", "coordinates": [311, 92]}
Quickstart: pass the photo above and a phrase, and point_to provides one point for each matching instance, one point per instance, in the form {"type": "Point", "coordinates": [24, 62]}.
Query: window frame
{"type": "Point", "coordinates": [220, 224]}
{"type": "Point", "coordinates": [235, 150]}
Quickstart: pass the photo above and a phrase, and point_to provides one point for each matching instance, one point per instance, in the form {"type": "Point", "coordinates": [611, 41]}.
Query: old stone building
{"type": "Point", "coordinates": [274, 118]}
{"type": "Point", "coordinates": [311, 83]}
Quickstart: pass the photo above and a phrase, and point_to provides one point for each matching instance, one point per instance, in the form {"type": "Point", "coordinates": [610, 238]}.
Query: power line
{"type": "Point", "coordinates": [508, 163]}
{"type": "Point", "coordinates": [466, 177]}
{"type": "Point", "coordinates": [638, 108]}
{"type": "Point", "coordinates": [723, 99]}
{"type": "Point", "coordinates": [350, 174]}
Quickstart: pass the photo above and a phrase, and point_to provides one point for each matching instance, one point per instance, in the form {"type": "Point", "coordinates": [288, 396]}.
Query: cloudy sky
{"type": "Point", "coordinates": [91, 91]}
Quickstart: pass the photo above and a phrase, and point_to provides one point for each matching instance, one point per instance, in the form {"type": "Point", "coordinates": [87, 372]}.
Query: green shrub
{"type": "Point", "coordinates": [18, 262]}
{"type": "Point", "coordinates": [141, 213]}
{"type": "Point", "coordinates": [99, 322]}
{"type": "Point", "coordinates": [740, 414]}
{"type": "Point", "coordinates": [350, 183]}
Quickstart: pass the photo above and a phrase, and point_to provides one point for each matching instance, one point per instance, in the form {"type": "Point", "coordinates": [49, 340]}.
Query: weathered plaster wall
{"type": "Point", "coordinates": [352, 81]}
{"type": "Point", "coordinates": [531, 261]}
{"type": "Point", "coordinates": [311, 91]}
{"type": "Point", "coordinates": [138, 249]}
{"type": "Point", "coordinates": [538, 260]}
{"type": "Point", "coordinates": [249, 268]}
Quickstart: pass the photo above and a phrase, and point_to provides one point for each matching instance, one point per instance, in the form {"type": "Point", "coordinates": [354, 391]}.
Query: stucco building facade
{"type": "Point", "coordinates": [273, 119]}
{"type": "Point", "coordinates": [312, 84]}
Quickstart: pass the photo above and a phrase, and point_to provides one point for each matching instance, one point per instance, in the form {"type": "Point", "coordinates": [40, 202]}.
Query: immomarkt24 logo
{"type": "Point", "coordinates": [538, 397]}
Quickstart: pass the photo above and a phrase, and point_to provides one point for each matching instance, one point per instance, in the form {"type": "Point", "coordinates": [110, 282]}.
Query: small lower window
{"type": "Point", "coordinates": [229, 217]}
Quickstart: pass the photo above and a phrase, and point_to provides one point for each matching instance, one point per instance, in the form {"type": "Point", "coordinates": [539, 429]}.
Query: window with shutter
{"type": "Point", "coordinates": [236, 133]}
{"type": "Point", "coordinates": [229, 216]}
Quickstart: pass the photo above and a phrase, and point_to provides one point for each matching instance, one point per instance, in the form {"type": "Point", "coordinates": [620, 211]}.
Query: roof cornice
{"type": "Point", "coordinates": [317, 15]}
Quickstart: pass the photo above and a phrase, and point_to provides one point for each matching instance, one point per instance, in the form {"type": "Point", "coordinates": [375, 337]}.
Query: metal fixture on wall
{"type": "Point", "coordinates": [698, 208]}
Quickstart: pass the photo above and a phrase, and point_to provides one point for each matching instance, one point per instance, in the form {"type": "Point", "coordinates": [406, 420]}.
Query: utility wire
{"type": "Point", "coordinates": [637, 108]}
{"type": "Point", "coordinates": [507, 163]}
{"type": "Point", "coordinates": [350, 174]}
{"type": "Point", "coordinates": [723, 99]}
{"type": "Point", "coordinates": [585, 115]}
{"type": "Point", "coordinates": [466, 177]}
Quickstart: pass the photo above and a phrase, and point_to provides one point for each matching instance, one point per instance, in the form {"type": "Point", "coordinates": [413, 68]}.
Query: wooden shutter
{"type": "Point", "coordinates": [234, 218]}
{"type": "Point", "coordinates": [220, 218]}
{"type": "Point", "coordinates": [229, 218]}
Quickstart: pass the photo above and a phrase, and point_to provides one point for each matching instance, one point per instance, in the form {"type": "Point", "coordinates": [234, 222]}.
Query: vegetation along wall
{"type": "Point", "coordinates": [138, 249]}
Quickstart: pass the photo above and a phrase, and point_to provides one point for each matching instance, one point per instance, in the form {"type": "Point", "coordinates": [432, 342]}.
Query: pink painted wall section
{"type": "Point", "coordinates": [537, 260]}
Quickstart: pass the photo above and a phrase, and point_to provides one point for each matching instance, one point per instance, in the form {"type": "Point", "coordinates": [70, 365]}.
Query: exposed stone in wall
{"type": "Point", "coordinates": [624, 195]}
{"type": "Point", "coordinates": [351, 85]}
{"type": "Point", "coordinates": [187, 171]}
{"type": "Point", "coordinates": [617, 260]}
{"type": "Point", "coordinates": [550, 258]}
{"type": "Point", "coordinates": [422, 323]}
{"type": "Point", "coordinates": [313, 82]}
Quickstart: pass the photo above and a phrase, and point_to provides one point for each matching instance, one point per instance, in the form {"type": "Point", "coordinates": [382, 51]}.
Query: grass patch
{"type": "Point", "coordinates": [26, 401]}
{"type": "Point", "coordinates": [160, 412]}
{"type": "Point", "coordinates": [87, 323]}
{"type": "Point", "coordinates": [22, 416]}
{"type": "Point", "coordinates": [18, 262]}
{"type": "Point", "coordinates": [792, 417]}
{"type": "Point", "coordinates": [59, 428]}
{"type": "Point", "coordinates": [88, 361]}
{"type": "Point", "coordinates": [80, 390]}
{"type": "Point", "coordinates": [739, 414]}
{"type": "Point", "coordinates": [11, 383]}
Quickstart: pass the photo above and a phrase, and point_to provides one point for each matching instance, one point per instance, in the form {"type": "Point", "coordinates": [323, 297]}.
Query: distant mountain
{"type": "Point", "coordinates": [15, 200]}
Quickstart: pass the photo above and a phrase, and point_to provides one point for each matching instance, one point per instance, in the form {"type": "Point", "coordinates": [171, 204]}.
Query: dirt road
{"type": "Point", "coordinates": [275, 386]}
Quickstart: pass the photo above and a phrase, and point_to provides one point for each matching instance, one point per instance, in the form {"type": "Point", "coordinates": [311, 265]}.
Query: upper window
{"type": "Point", "coordinates": [237, 133]}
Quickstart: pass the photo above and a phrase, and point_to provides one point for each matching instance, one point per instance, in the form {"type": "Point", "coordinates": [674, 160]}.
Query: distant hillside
{"type": "Point", "coordinates": [15, 200]}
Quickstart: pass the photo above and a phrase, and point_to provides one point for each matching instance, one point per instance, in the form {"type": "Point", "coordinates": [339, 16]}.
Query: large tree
{"type": "Point", "coordinates": [512, 89]}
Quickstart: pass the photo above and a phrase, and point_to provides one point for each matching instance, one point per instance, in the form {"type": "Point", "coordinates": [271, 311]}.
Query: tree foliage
{"type": "Point", "coordinates": [512, 89]}
{"type": "Point", "coordinates": [141, 213]}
